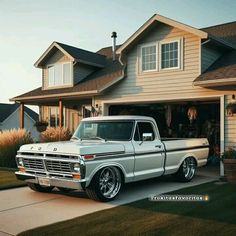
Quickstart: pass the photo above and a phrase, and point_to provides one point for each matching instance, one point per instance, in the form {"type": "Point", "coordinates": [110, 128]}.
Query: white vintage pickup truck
{"type": "Point", "coordinates": [107, 152]}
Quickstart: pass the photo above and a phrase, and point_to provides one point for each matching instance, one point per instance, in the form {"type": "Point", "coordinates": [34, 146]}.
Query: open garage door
{"type": "Point", "coordinates": [181, 120]}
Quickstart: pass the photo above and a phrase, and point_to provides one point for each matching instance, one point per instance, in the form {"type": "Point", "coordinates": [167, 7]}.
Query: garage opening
{"type": "Point", "coordinates": [198, 119]}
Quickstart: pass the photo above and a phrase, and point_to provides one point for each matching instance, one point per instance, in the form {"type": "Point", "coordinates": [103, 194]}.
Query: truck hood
{"type": "Point", "coordinates": [74, 147]}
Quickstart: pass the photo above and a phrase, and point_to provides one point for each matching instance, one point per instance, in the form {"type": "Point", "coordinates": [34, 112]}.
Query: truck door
{"type": "Point", "coordinates": [149, 152]}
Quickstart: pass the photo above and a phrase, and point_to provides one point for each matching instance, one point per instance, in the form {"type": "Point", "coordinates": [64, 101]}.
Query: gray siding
{"type": "Point", "coordinates": [13, 122]}
{"type": "Point", "coordinates": [81, 71]}
{"type": "Point", "coordinates": [209, 56]}
{"type": "Point", "coordinates": [57, 57]}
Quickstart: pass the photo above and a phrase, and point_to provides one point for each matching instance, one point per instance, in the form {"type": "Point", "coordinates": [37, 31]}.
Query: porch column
{"type": "Point", "coordinates": [22, 108]}
{"type": "Point", "coordinates": [60, 113]}
{"type": "Point", "coordinates": [222, 131]}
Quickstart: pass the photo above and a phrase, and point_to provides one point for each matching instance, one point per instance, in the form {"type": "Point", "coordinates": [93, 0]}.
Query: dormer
{"type": "Point", "coordinates": [64, 66]}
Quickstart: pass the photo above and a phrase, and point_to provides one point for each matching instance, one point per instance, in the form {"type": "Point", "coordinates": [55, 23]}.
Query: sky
{"type": "Point", "coordinates": [28, 27]}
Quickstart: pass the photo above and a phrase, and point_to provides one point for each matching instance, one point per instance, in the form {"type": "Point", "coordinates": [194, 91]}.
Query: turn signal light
{"type": "Point", "coordinates": [21, 169]}
{"type": "Point", "coordinates": [76, 176]}
{"type": "Point", "coordinates": [89, 157]}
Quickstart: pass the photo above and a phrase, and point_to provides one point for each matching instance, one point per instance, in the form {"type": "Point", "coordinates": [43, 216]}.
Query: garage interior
{"type": "Point", "coordinates": [198, 119]}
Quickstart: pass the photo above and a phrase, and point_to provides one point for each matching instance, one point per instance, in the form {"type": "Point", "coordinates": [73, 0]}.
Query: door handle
{"type": "Point", "coordinates": [157, 146]}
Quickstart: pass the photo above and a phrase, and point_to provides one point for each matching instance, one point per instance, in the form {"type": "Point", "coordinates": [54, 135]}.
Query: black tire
{"type": "Point", "coordinates": [65, 190]}
{"type": "Point", "coordinates": [105, 185]}
{"type": "Point", "coordinates": [187, 170]}
{"type": "Point", "coordinates": [39, 188]}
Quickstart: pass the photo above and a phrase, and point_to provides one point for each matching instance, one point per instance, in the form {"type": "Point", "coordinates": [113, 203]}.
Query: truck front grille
{"type": "Point", "coordinates": [41, 163]}
{"type": "Point", "coordinates": [33, 164]}
{"type": "Point", "coordinates": [57, 166]}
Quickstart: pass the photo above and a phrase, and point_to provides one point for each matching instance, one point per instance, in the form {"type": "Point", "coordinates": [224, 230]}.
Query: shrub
{"type": "Point", "coordinates": [52, 134]}
{"type": "Point", "coordinates": [229, 154]}
{"type": "Point", "coordinates": [10, 142]}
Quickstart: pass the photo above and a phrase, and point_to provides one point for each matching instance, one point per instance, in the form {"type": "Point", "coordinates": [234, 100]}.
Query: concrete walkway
{"type": "Point", "coordinates": [22, 209]}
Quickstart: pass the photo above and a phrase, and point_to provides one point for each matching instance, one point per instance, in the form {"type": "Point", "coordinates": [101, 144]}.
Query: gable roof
{"type": "Point", "coordinates": [226, 31]}
{"type": "Point", "coordinates": [221, 72]}
{"type": "Point", "coordinates": [95, 83]}
{"type": "Point", "coordinates": [7, 109]}
{"type": "Point", "coordinates": [75, 54]}
{"type": "Point", "coordinates": [158, 18]}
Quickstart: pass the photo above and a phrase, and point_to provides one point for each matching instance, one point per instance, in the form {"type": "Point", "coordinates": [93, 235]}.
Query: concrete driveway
{"type": "Point", "coordinates": [22, 209]}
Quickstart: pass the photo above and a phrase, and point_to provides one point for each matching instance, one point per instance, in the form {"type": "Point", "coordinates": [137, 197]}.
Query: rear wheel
{"type": "Point", "coordinates": [105, 185]}
{"type": "Point", "coordinates": [39, 188]}
{"type": "Point", "coordinates": [187, 170]}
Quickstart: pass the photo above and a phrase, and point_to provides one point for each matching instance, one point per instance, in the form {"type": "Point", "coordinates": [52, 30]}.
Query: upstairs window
{"type": "Point", "coordinates": [59, 74]}
{"type": "Point", "coordinates": [149, 57]}
{"type": "Point", "coordinates": [170, 55]}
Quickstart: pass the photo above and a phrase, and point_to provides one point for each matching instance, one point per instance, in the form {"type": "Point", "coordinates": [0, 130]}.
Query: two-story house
{"type": "Point", "coordinates": [182, 76]}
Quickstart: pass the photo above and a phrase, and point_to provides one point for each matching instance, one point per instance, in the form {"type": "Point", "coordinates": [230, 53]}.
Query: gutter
{"type": "Point", "coordinates": [216, 82]}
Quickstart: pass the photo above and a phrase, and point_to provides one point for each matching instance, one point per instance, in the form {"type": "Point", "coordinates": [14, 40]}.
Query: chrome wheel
{"type": "Point", "coordinates": [189, 167]}
{"type": "Point", "coordinates": [109, 182]}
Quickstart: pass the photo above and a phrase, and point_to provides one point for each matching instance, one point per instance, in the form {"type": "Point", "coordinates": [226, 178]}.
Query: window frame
{"type": "Point", "coordinates": [137, 127]}
{"type": "Point", "coordinates": [62, 73]}
{"type": "Point", "coordinates": [56, 109]}
{"type": "Point", "coordinates": [179, 54]}
{"type": "Point", "coordinates": [141, 56]}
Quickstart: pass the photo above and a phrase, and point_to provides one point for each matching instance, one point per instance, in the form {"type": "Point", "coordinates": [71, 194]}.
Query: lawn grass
{"type": "Point", "coordinates": [9, 180]}
{"type": "Point", "coordinates": [214, 217]}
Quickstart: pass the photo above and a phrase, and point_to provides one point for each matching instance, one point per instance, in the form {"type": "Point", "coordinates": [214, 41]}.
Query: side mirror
{"type": "Point", "coordinates": [147, 137]}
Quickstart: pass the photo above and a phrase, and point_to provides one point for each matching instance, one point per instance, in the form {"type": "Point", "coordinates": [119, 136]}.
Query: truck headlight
{"type": "Point", "coordinates": [20, 162]}
{"type": "Point", "coordinates": [76, 167]}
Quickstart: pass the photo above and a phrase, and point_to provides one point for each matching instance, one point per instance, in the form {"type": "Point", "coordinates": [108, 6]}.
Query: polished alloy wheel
{"type": "Point", "coordinates": [189, 167]}
{"type": "Point", "coordinates": [109, 182]}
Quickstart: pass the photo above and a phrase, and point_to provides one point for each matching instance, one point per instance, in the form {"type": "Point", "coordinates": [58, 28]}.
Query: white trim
{"type": "Point", "coordinates": [167, 41]}
{"type": "Point", "coordinates": [71, 82]}
{"type": "Point", "coordinates": [222, 131]}
{"type": "Point", "coordinates": [160, 100]}
{"type": "Point", "coordinates": [144, 45]}
{"type": "Point", "coordinates": [54, 44]}
{"type": "Point", "coordinates": [200, 57]}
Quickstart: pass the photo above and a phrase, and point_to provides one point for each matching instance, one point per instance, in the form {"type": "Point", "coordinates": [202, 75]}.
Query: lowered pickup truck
{"type": "Point", "coordinates": [105, 153]}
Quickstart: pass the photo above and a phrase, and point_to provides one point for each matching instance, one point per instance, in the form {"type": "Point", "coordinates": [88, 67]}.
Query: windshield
{"type": "Point", "coordinates": [105, 130]}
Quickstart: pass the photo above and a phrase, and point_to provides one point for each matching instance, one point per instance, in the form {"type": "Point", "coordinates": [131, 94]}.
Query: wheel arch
{"type": "Point", "coordinates": [118, 166]}
{"type": "Point", "coordinates": [186, 156]}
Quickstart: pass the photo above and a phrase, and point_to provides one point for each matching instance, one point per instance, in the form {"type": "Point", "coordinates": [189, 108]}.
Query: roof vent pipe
{"type": "Point", "coordinates": [114, 36]}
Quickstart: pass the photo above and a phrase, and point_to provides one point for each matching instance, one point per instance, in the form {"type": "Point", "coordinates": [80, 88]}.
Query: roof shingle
{"type": "Point", "coordinates": [7, 109]}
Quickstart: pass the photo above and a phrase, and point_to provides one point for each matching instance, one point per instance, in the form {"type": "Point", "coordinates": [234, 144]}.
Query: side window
{"type": "Point", "coordinates": [141, 128]}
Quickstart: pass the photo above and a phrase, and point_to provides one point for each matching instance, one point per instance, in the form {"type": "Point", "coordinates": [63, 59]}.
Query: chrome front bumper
{"type": "Point", "coordinates": [57, 182]}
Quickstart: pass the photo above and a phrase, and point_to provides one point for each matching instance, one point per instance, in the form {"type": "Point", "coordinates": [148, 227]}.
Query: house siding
{"type": "Point", "coordinates": [209, 56]}
{"type": "Point", "coordinates": [81, 71]}
{"type": "Point", "coordinates": [13, 122]}
{"type": "Point", "coordinates": [230, 127]}
{"type": "Point", "coordinates": [57, 57]}
{"type": "Point", "coordinates": [169, 85]}
{"type": "Point", "coordinates": [163, 85]}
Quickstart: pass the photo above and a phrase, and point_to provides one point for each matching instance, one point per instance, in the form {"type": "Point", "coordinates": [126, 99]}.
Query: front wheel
{"type": "Point", "coordinates": [39, 188]}
{"type": "Point", "coordinates": [187, 170]}
{"type": "Point", "coordinates": [105, 185]}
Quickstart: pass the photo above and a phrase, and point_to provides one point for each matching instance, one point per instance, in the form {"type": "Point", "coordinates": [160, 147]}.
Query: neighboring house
{"type": "Point", "coordinates": [10, 119]}
{"type": "Point", "coordinates": [182, 76]}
